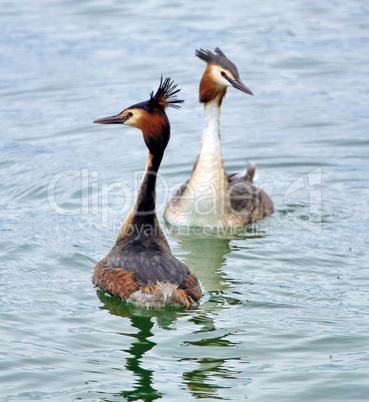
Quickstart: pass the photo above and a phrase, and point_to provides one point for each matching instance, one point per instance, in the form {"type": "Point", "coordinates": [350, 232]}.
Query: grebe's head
{"type": "Point", "coordinates": [219, 74]}
{"type": "Point", "coordinates": [149, 116]}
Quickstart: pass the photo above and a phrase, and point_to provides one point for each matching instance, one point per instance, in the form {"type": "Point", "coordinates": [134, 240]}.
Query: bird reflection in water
{"type": "Point", "coordinates": [142, 320]}
{"type": "Point", "coordinates": [216, 353]}
{"type": "Point", "coordinates": [211, 374]}
{"type": "Point", "coordinates": [206, 254]}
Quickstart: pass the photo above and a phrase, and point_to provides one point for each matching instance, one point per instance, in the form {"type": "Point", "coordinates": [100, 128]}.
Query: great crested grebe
{"type": "Point", "coordinates": [140, 267]}
{"type": "Point", "coordinates": [212, 197]}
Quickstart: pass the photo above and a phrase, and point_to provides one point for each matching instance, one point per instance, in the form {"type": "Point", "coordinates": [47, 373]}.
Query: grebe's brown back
{"type": "Point", "coordinates": [211, 196]}
{"type": "Point", "coordinates": [141, 267]}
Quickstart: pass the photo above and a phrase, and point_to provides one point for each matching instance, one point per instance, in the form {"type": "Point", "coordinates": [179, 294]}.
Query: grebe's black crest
{"type": "Point", "coordinates": [218, 58]}
{"type": "Point", "coordinates": [164, 97]}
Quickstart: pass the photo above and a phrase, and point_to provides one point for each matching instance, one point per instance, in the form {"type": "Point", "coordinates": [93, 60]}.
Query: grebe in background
{"type": "Point", "coordinates": [140, 267]}
{"type": "Point", "coordinates": [211, 196]}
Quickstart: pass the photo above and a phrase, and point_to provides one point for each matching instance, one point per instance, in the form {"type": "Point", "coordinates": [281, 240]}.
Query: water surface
{"type": "Point", "coordinates": [284, 316]}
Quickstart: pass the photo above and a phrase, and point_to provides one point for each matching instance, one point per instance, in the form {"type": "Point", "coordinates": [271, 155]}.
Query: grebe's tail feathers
{"type": "Point", "coordinates": [250, 174]}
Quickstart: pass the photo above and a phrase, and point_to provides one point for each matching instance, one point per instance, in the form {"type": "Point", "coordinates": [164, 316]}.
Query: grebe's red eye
{"type": "Point", "coordinates": [129, 114]}
{"type": "Point", "coordinates": [223, 73]}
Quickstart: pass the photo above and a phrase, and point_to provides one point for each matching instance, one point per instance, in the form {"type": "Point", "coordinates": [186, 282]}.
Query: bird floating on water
{"type": "Point", "coordinates": [140, 267]}
{"type": "Point", "coordinates": [212, 197]}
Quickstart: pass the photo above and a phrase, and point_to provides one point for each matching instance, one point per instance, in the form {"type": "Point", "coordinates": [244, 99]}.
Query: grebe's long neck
{"type": "Point", "coordinates": [209, 168]}
{"type": "Point", "coordinates": [211, 151]}
{"type": "Point", "coordinates": [142, 219]}
{"type": "Point", "coordinates": [205, 199]}
{"type": "Point", "coordinates": [144, 208]}
{"type": "Point", "coordinates": [211, 95]}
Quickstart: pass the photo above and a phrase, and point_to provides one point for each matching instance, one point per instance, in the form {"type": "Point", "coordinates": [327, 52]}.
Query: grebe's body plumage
{"type": "Point", "coordinates": [211, 196]}
{"type": "Point", "coordinates": [140, 267]}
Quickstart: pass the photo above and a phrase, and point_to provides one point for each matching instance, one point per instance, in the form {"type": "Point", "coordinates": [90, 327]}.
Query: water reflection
{"type": "Point", "coordinates": [143, 388]}
{"type": "Point", "coordinates": [211, 347]}
{"type": "Point", "coordinates": [165, 316]}
{"type": "Point", "coordinates": [204, 382]}
{"type": "Point", "coordinates": [207, 254]}
{"type": "Point", "coordinates": [210, 375]}
{"type": "Point", "coordinates": [141, 319]}
{"type": "Point", "coordinates": [205, 257]}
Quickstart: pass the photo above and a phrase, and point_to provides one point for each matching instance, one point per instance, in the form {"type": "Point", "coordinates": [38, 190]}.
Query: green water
{"type": "Point", "coordinates": [284, 315]}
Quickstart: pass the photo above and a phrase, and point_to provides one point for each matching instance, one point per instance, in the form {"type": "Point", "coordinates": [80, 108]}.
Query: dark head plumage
{"type": "Point", "coordinates": [147, 114]}
{"type": "Point", "coordinates": [218, 58]}
{"type": "Point", "coordinates": [150, 117]}
{"type": "Point", "coordinates": [164, 97]}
